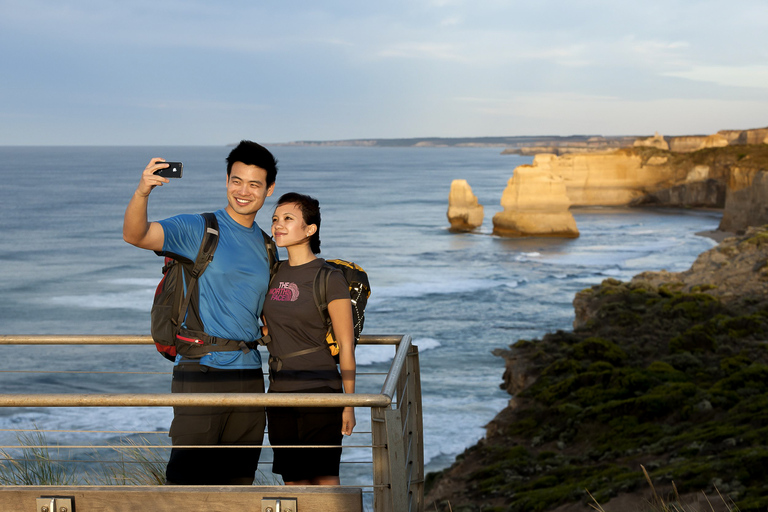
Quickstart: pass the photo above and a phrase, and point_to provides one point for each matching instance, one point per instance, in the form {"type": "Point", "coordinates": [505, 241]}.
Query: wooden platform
{"type": "Point", "coordinates": [181, 497]}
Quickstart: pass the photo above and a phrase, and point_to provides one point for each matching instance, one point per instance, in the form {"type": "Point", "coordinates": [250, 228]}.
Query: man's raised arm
{"type": "Point", "coordinates": [137, 230]}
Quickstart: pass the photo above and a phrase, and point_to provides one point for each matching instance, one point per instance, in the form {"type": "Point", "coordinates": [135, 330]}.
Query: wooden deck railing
{"type": "Point", "coordinates": [397, 476]}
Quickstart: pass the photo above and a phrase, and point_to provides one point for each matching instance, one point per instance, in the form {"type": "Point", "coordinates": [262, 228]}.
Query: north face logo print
{"type": "Point", "coordinates": [285, 292]}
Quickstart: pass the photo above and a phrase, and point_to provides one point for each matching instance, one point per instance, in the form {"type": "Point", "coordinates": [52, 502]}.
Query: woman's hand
{"type": "Point", "coordinates": [348, 421]}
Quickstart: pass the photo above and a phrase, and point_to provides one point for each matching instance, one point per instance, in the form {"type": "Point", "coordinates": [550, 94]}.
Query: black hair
{"type": "Point", "coordinates": [251, 153]}
{"type": "Point", "coordinates": [310, 212]}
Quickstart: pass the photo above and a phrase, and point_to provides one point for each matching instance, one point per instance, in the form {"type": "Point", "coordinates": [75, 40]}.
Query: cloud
{"type": "Point", "coordinates": [732, 76]}
{"type": "Point", "coordinates": [424, 50]}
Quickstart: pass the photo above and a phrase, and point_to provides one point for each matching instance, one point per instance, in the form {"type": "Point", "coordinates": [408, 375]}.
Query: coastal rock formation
{"type": "Point", "coordinates": [746, 202]}
{"type": "Point", "coordinates": [535, 204]}
{"type": "Point", "coordinates": [649, 176]}
{"type": "Point", "coordinates": [464, 213]}
{"type": "Point", "coordinates": [610, 178]}
{"type": "Point", "coordinates": [691, 194]}
{"type": "Point", "coordinates": [565, 145]}
{"type": "Point", "coordinates": [734, 269]}
{"type": "Point", "coordinates": [663, 382]}
{"type": "Point", "coordinates": [690, 143]}
{"type": "Point", "coordinates": [657, 141]}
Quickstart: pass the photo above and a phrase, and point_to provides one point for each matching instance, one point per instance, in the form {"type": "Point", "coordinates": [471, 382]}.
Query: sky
{"type": "Point", "coordinates": [191, 72]}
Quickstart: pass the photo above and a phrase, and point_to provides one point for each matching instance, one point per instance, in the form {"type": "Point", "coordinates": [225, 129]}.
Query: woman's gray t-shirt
{"type": "Point", "coordinates": [295, 324]}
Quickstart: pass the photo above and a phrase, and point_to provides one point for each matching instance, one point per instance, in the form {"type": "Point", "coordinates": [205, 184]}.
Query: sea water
{"type": "Point", "coordinates": [66, 270]}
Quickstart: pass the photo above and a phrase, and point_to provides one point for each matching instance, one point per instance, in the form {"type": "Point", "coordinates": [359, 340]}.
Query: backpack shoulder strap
{"type": "Point", "coordinates": [208, 245]}
{"type": "Point", "coordinates": [320, 292]}
{"type": "Point", "coordinates": [272, 255]}
{"type": "Point", "coordinates": [204, 257]}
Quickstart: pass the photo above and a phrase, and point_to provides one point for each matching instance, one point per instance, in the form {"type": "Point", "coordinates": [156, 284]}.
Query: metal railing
{"type": "Point", "coordinates": [396, 437]}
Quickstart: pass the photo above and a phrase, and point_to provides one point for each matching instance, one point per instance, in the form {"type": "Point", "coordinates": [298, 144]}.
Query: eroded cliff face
{"type": "Point", "coordinates": [746, 202]}
{"type": "Point", "coordinates": [647, 175]}
{"type": "Point", "coordinates": [612, 178]}
{"type": "Point", "coordinates": [691, 143]}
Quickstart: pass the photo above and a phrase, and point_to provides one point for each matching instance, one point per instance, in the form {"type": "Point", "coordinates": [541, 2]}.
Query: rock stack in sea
{"type": "Point", "coordinates": [464, 212]}
{"type": "Point", "coordinates": [535, 204]}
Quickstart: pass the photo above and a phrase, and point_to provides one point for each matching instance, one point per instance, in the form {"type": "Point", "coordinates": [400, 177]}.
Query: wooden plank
{"type": "Point", "coordinates": [186, 498]}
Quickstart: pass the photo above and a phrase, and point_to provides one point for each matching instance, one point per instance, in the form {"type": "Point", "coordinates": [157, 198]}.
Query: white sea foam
{"type": "Point", "coordinates": [455, 422]}
{"type": "Point", "coordinates": [367, 355]}
{"type": "Point", "coordinates": [527, 256]}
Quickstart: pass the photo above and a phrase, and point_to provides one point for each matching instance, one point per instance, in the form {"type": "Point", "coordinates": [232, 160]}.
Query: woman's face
{"type": "Point", "coordinates": [288, 226]}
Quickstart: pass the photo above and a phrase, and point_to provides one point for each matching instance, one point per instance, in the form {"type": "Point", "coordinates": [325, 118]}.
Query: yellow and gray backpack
{"type": "Point", "coordinates": [359, 291]}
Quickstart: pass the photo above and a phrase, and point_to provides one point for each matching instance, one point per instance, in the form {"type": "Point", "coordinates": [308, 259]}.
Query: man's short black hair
{"type": "Point", "coordinates": [251, 153]}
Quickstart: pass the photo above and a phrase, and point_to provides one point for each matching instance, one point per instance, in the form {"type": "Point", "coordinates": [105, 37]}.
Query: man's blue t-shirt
{"type": "Point", "coordinates": [232, 288]}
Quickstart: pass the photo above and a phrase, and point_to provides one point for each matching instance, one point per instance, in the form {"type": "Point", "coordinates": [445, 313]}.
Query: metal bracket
{"type": "Point", "coordinates": [55, 504]}
{"type": "Point", "coordinates": [279, 505]}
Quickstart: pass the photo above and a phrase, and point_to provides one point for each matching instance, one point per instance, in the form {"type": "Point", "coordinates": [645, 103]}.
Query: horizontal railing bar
{"type": "Point", "coordinates": [70, 431]}
{"type": "Point", "coordinates": [130, 432]}
{"type": "Point", "coordinates": [97, 372]}
{"type": "Point", "coordinates": [133, 339]}
{"type": "Point", "coordinates": [123, 461]}
{"type": "Point", "coordinates": [94, 372]}
{"type": "Point", "coordinates": [131, 488]}
{"type": "Point", "coordinates": [75, 339]}
{"type": "Point", "coordinates": [168, 446]}
{"type": "Point", "coordinates": [196, 399]}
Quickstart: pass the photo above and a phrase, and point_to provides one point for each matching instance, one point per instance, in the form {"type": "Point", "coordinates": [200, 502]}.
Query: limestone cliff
{"type": "Point", "coordinates": [610, 178]}
{"type": "Point", "coordinates": [657, 141]}
{"type": "Point", "coordinates": [746, 202]}
{"type": "Point", "coordinates": [535, 204]}
{"type": "Point", "coordinates": [464, 212]}
{"type": "Point", "coordinates": [690, 143]}
{"type": "Point", "coordinates": [646, 175]}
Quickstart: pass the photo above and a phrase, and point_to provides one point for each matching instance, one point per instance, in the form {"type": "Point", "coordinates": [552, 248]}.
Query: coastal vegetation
{"type": "Point", "coordinates": [37, 462]}
{"type": "Point", "coordinates": [670, 378]}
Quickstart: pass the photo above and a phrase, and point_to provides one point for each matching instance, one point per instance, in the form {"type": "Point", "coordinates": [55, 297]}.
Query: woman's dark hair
{"type": "Point", "coordinates": [310, 211]}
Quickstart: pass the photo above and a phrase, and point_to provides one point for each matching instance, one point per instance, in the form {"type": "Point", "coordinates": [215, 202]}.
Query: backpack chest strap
{"type": "Point", "coordinates": [276, 363]}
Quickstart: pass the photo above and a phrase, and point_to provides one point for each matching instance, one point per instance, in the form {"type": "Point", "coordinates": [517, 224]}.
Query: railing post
{"type": "Point", "coordinates": [415, 430]}
{"type": "Point", "coordinates": [398, 475]}
{"type": "Point", "coordinates": [382, 488]}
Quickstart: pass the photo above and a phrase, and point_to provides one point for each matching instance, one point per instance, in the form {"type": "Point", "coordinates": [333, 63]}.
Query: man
{"type": "Point", "coordinates": [231, 295]}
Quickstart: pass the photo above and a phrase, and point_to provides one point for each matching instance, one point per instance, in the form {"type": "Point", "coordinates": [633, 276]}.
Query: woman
{"type": "Point", "coordinates": [300, 361]}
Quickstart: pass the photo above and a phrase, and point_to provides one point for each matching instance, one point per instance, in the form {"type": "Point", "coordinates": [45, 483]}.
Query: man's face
{"type": "Point", "coordinates": [246, 191]}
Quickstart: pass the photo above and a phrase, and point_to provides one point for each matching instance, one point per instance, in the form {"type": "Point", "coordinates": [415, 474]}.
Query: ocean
{"type": "Point", "coordinates": [66, 270]}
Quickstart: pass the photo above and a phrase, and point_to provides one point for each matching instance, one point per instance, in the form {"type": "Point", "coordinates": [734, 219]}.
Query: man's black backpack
{"type": "Point", "coordinates": [172, 308]}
